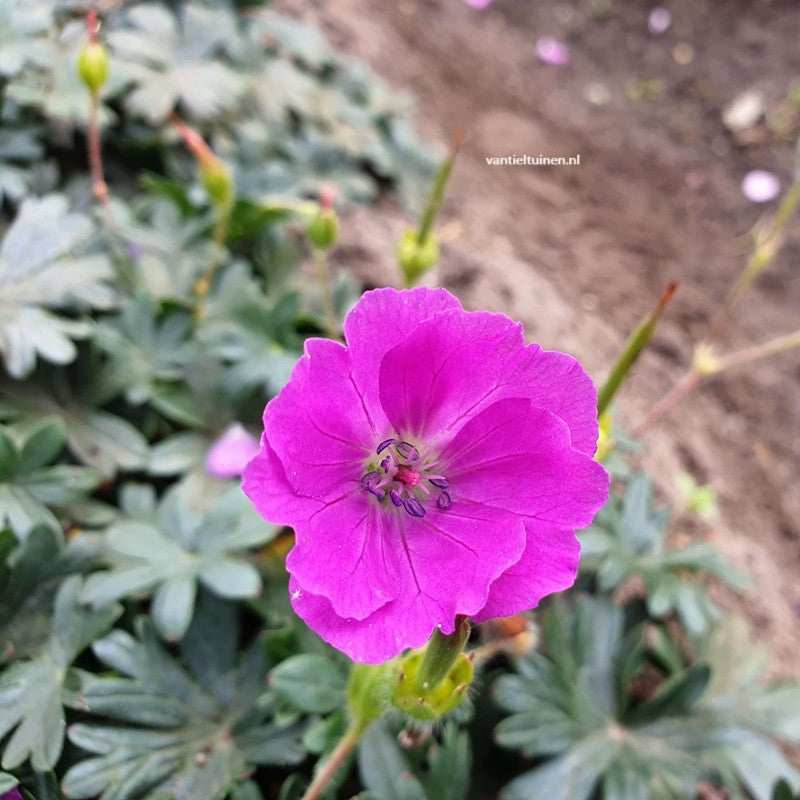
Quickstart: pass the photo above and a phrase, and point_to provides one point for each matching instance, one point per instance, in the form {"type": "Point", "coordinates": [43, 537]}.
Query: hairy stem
{"type": "Point", "coordinates": [334, 762]}
{"type": "Point", "coordinates": [95, 153]}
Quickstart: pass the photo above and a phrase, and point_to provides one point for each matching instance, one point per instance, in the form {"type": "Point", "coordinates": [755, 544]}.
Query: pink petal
{"type": "Point", "coordinates": [451, 560]}
{"type": "Point", "coordinates": [549, 564]}
{"type": "Point", "coordinates": [518, 458]}
{"type": "Point", "coordinates": [456, 364]}
{"type": "Point", "coordinates": [381, 319]}
{"type": "Point", "coordinates": [359, 555]}
{"type": "Point", "coordinates": [229, 455]}
{"type": "Point", "coordinates": [318, 426]}
{"type": "Point", "coordinates": [760, 186]}
{"type": "Point", "coordinates": [479, 4]}
{"type": "Point", "coordinates": [351, 553]}
{"type": "Point", "coordinates": [551, 51]}
{"type": "Point", "coordinates": [264, 482]}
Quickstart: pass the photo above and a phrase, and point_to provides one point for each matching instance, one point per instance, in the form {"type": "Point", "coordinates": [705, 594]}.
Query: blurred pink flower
{"type": "Point", "coordinates": [478, 3]}
{"type": "Point", "coordinates": [229, 455]}
{"type": "Point", "coordinates": [14, 794]}
{"type": "Point", "coordinates": [659, 21]}
{"type": "Point", "coordinates": [551, 51]}
{"type": "Point", "coordinates": [760, 186]}
{"type": "Point", "coordinates": [435, 466]}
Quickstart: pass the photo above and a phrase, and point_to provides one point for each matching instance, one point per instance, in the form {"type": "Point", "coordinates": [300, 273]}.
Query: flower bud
{"type": "Point", "coordinates": [218, 182]}
{"type": "Point", "coordinates": [416, 257]}
{"type": "Point", "coordinates": [93, 66]}
{"type": "Point", "coordinates": [323, 230]}
{"type": "Point", "coordinates": [93, 58]}
{"type": "Point", "coordinates": [422, 702]}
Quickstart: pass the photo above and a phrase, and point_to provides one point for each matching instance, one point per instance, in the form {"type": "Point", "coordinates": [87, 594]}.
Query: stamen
{"type": "Point", "coordinates": [407, 451]}
{"type": "Point", "coordinates": [377, 491]}
{"type": "Point", "coordinates": [384, 444]}
{"type": "Point", "coordinates": [385, 464]}
{"type": "Point", "coordinates": [371, 480]}
{"type": "Point", "coordinates": [414, 507]}
{"type": "Point", "coordinates": [444, 501]}
{"type": "Point", "coordinates": [394, 496]}
{"type": "Point", "coordinates": [439, 483]}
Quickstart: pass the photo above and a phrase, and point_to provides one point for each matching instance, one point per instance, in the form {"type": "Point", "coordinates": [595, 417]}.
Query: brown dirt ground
{"type": "Point", "coordinates": [579, 254]}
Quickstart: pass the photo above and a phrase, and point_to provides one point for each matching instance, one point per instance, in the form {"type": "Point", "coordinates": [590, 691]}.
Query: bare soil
{"type": "Point", "coordinates": [580, 253]}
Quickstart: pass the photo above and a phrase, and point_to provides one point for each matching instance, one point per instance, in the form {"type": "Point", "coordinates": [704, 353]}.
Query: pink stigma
{"type": "Point", "coordinates": [407, 476]}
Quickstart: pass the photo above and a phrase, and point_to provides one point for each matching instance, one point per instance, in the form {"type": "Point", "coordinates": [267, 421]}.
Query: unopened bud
{"type": "Point", "coordinates": [93, 58]}
{"type": "Point", "coordinates": [323, 229]}
{"type": "Point", "coordinates": [214, 172]}
{"type": "Point", "coordinates": [218, 182]}
{"type": "Point", "coordinates": [416, 257]}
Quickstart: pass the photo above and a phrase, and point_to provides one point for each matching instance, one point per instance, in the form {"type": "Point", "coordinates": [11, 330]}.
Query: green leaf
{"type": "Point", "coordinates": [23, 27]}
{"type": "Point", "coordinates": [40, 271]}
{"type": "Point", "coordinates": [145, 350]}
{"type": "Point", "coordinates": [310, 683]}
{"type": "Point", "coordinates": [174, 735]}
{"type": "Point", "coordinates": [628, 538]}
{"type": "Point", "coordinates": [105, 441]}
{"type": "Point", "coordinates": [439, 771]}
{"type": "Point", "coordinates": [31, 692]}
{"type": "Point", "coordinates": [7, 782]}
{"type": "Point", "coordinates": [31, 491]}
{"type": "Point", "coordinates": [171, 61]}
{"type": "Point", "coordinates": [169, 553]}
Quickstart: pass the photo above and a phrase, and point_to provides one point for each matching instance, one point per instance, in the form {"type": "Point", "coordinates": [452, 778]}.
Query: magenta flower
{"type": "Point", "coordinates": [228, 456]}
{"type": "Point", "coordinates": [551, 51]}
{"type": "Point", "coordinates": [14, 794]}
{"type": "Point", "coordinates": [479, 4]}
{"type": "Point", "coordinates": [433, 467]}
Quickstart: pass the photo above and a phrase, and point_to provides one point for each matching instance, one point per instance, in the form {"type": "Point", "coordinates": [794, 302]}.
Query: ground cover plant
{"type": "Point", "coordinates": [171, 629]}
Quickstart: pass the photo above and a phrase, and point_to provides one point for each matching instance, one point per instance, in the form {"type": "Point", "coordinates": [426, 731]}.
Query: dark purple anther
{"type": "Point", "coordinates": [394, 496]}
{"type": "Point", "coordinates": [414, 507]}
{"type": "Point", "coordinates": [371, 480]}
{"type": "Point", "coordinates": [443, 500]}
{"type": "Point", "coordinates": [377, 491]}
{"type": "Point", "coordinates": [407, 451]}
{"type": "Point", "coordinates": [385, 464]}
{"type": "Point", "coordinates": [439, 483]}
{"type": "Point", "coordinates": [384, 444]}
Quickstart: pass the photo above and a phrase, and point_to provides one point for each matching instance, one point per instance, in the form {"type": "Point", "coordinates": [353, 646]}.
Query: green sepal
{"type": "Point", "coordinates": [431, 704]}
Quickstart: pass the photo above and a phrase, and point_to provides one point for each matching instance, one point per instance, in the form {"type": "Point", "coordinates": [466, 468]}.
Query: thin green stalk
{"type": "Point", "coordinates": [438, 190]}
{"type": "Point", "coordinates": [769, 242]}
{"type": "Point", "coordinates": [749, 354]}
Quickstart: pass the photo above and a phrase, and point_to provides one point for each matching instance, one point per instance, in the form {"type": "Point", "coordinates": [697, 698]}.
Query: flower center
{"type": "Point", "coordinates": [405, 478]}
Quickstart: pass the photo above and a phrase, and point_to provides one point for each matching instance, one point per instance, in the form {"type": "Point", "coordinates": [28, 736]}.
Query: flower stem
{"type": "Point", "coordinates": [95, 153]}
{"type": "Point", "coordinates": [337, 757]}
{"type": "Point", "coordinates": [441, 653]}
{"type": "Point", "coordinates": [758, 351]}
{"type": "Point", "coordinates": [685, 385]}
{"type": "Point", "coordinates": [769, 240]}
{"type": "Point", "coordinates": [323, 275]}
